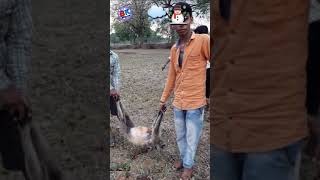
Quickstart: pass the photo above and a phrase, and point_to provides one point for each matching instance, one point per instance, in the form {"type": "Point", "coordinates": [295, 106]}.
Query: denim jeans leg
{"type": "Point", "coordinates": [224, 165]}
{"type": "Point", "coordinates": [296, 174]}
{"type": "Point", "coordinates": [279, 164]}
{"type": "Point", "coordinates": [180, 126]}
{"type": "Point", "coordinates": [194, 124]}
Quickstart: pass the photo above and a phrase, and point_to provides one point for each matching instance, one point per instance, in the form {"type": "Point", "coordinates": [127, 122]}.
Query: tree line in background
{"type": "Point", "coordinates": [138, 29]}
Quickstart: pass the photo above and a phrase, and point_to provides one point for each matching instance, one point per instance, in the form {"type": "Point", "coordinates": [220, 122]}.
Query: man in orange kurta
{"type": "Point", "coordinates": [187, 77]}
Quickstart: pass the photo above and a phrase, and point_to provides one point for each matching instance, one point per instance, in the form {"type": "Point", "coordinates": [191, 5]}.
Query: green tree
{"type": "Point", "coordinates": [137, 29]}
{"type": "Point", "coordinates": [164, 29]}
{"type": "Point", "coordinates": [122, 32]}
{"type": "Point", "coordinates": [114, 38]}
{"type": "Point", "coordinates": [200, 7]}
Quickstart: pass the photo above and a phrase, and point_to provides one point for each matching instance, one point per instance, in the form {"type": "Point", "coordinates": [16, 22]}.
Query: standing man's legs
{"type": "Point", "coordinates": [180, 126]}
{"type": "Point", "coordinates": [279, 164]}
{"type": "Point", "coordinates": [297, 167]}
{"type": "Point", "coordinates": [194, 124]}
{"type": "Point", "coordinates": [224, 165]}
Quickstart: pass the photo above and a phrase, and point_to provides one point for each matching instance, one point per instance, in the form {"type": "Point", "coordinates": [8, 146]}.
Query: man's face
{"type": "Point", "coordinates": [183, 29]}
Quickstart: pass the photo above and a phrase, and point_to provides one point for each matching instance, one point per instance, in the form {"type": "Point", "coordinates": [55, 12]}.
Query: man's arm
{"type": "Point", "coordinates": [18, 40]}
{"type": "Point", "coordinates": [19, 44]}
{"type": "Point", "coordinates": [109, 75]}
{"type": "Point", "coordinates": [206, 47]}
{"type": "Point", "coordinates": [116, 73]}
{"type": "Point", "coordinates": [170, 83]}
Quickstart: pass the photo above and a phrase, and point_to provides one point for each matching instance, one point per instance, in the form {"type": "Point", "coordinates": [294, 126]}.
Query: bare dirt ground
{"type": "Point", "coordinates": [142, 82]}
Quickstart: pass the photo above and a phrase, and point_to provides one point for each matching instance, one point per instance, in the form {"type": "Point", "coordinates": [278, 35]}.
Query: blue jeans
{"type": "Point", "coordinates": [188, 125]}
{"type": "Point", "coordinates": [279, 164]}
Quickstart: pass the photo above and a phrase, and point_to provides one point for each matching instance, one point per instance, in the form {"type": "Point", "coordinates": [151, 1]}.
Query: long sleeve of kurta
{"type": "Point", "coordinates": [114, 72]}
{"type": "Point", "coordinates": [170, 83]}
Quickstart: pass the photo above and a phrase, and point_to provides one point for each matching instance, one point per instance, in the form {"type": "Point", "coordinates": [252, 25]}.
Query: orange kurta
{"type": "Point", "coordinates": [188, 82]}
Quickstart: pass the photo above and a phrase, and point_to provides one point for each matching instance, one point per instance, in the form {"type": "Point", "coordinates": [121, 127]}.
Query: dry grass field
{"type": "Point", "coordinates": [141, 89]}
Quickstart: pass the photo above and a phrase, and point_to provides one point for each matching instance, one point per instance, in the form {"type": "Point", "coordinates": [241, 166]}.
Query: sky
{"type": "Point", "coordinates": [157, 11]}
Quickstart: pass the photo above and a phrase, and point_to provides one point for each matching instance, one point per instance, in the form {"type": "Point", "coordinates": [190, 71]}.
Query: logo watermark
{"type": "Point", "coordinates": [124, 13]}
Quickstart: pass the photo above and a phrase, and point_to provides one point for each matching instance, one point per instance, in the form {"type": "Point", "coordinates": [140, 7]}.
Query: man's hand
{"type": "Point", "coordinates": [14, 103]}
{"type": "Point", "coordinates": [162, 106]}
{"type": "Point", "coordinates": [114, 93]}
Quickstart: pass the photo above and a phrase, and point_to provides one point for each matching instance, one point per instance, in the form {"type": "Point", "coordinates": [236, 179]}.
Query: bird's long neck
{"type": "Point", "coordinates": [124, 118]}
{"type": "Point", "coordinates": [156, 126]}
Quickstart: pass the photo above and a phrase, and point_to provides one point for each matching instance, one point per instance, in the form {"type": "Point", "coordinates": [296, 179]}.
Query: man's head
{"type": "Point", "coordinates": [182, 27]}
{"type": "Point", "coordinates": [201, 30]}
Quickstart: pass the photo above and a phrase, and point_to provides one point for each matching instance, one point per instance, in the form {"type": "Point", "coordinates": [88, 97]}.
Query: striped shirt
{"type": "Point", "coordinates": [114, 71]}
{"type": "Point", "coordinates": [15, 43]}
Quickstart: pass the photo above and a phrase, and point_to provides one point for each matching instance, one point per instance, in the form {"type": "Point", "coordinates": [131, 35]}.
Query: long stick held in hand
{"type": "Point", "coordinates": [165, 65]}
